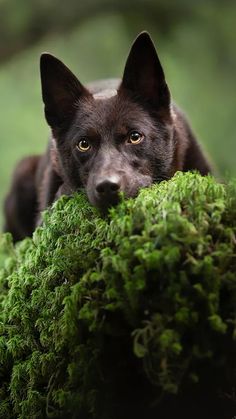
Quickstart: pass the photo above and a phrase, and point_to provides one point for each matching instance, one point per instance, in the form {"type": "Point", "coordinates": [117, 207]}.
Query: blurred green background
{"type": "Point", "coordinates": [195, 41]}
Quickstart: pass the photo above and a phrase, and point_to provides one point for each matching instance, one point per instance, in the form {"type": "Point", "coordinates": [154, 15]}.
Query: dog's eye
{"type": "Point", "coordinates": [83, 145]}
{"type": "Point", "coordinates": [135, 137]}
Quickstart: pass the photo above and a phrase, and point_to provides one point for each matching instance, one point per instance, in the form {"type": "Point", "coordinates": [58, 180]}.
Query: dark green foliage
{"type": "Point", "coordinates": [99, 315]}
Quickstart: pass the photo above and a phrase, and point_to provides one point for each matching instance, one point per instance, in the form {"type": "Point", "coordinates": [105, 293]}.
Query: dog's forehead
{"type": "Point", "coordinates": [109, 111]}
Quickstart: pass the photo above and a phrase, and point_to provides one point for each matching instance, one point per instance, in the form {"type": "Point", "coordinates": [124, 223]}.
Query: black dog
{"type": "Point", "coordinates": [107, 137]}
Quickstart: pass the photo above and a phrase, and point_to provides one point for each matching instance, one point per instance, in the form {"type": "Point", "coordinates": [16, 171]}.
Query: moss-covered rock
{"type": "Point", "coordinates": [132, 316]}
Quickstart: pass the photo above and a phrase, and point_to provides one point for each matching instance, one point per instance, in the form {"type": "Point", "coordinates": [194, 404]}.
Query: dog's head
{"type": "Point", "coordinates": [115, 140]}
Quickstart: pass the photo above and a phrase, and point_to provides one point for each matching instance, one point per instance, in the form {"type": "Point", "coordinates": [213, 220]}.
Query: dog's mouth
{"type": "Point", "coordinates": [106, 202]}
{"type": "Point", "coordinates": [104, 209]}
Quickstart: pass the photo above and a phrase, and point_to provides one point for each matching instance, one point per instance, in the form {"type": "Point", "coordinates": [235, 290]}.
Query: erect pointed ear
{"type": "Point", "coordinates": [60, 90]}
{"type": "Point", "coordinates": [143, 74]}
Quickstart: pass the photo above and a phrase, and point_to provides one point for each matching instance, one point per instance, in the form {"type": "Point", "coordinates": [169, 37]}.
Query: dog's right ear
{"type": "Point", "coordinates": [144, 75]}
{"type": "Point", "coordinates": [60, 91]}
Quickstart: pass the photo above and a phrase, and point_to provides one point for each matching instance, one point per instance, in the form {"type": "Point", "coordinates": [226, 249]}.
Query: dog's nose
{"type": "Point", "coordinates": [108, 187]}
{"type": "Point", "coordinates": [107, 191]}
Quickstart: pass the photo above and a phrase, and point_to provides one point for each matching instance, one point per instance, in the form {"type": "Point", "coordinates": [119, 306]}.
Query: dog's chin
{"type": "Point", "coordinates": [104, 206]}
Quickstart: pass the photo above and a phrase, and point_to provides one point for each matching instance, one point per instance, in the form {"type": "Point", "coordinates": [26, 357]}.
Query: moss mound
{"type": "Point", "coordinates": [125, 317]}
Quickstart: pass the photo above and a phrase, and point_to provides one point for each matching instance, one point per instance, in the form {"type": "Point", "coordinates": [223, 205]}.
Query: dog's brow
{"type": "Point", "coordinates": [92, 133]}
{"type": "Point", "coordinates": [122, 130]}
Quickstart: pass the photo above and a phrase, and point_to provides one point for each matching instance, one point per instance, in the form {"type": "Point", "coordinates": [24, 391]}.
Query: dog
{"type": "Point", "coordinates": [107, 137]}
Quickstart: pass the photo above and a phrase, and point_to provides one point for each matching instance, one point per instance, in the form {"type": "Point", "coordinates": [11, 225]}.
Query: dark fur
{"type": "Point", "coordinates": [113, 164]}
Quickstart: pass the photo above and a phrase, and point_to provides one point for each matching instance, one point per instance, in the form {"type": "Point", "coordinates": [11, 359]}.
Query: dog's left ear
{"type": "Point", "coordinates": [144, 75]}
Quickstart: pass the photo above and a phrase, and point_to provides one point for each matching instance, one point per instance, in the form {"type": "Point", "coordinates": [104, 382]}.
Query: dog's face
{"type": "Point", "coordinates": [116, 140]}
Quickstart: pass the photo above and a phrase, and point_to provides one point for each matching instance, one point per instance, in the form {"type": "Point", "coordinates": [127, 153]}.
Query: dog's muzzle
{"type": "Point", "coordinates": [106, 191]}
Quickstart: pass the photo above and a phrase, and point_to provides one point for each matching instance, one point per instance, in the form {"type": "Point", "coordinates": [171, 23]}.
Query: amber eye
{"type": "Point", "coordinates": [135, 137]}
{"type": "Point", "coordinates": [83, 145]}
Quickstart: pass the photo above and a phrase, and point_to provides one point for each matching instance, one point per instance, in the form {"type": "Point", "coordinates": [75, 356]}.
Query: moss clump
{"type": "Point", "coordinates": [118, 317]}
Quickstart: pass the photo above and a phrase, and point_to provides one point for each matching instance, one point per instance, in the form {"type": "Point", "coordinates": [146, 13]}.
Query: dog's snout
{"type": "Point", "coordinates": [107, 187]}
{"type": "Point", "coordinates": [107, 191]}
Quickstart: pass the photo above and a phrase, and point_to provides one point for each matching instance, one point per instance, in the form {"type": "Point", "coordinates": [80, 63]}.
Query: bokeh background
{"type": "Point", "coordinates": [196, 42]}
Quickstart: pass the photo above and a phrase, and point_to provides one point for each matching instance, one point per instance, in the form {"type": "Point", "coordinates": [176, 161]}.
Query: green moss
{"type": "Point", "coordinates": [97, 311]}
